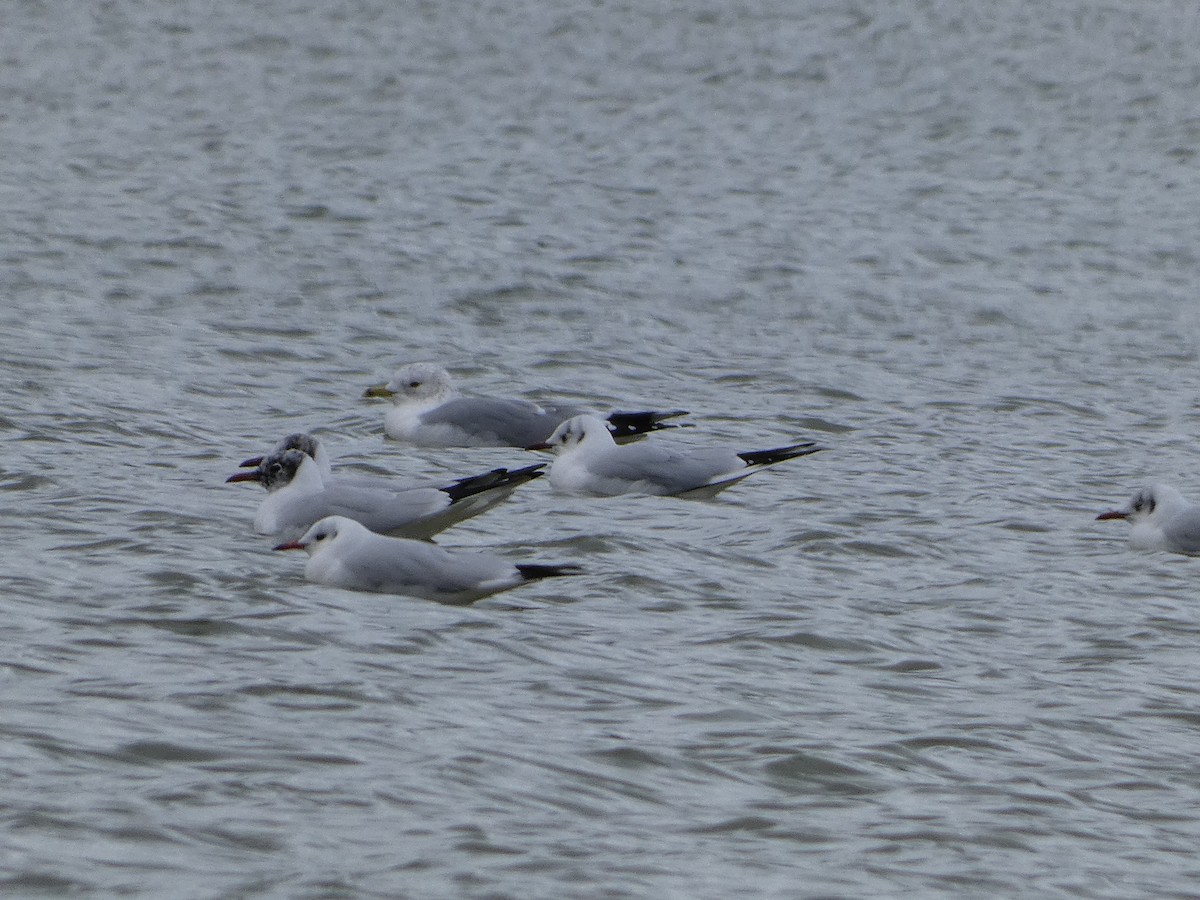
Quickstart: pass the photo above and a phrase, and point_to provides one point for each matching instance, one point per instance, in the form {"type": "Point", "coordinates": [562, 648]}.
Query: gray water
{"type": "Point", "coordinates": [956, 243]}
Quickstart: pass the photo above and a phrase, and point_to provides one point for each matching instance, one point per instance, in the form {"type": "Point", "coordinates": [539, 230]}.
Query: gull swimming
{"type": "Point", "coordinates": [342, 553]}
{"type": "Point", "coordinates": [1162, 520]}
{"type": "Point", "coordinates": [300, 440]}
{"type": "Point", "coordinates": [428, 410]}
{"type": "Point", "coordinates": [589, 461]}
{"type": "Point", "coordinates": [298, 496]}
{"type": "Point", "coordinates": [311, 445]}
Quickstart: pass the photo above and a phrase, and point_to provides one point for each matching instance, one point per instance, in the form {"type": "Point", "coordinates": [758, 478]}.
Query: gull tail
{"type": "Point", "coordinates": [470, 497]}
{"type": "Point", "coordinates": [632, 425]}
{"type": "Point", "coordinates": [779, 454]}
{"type": "Point", "coordinates": [756, 461]}
{"type": "Point", "coordinates": [534, 571]}
{"type": "Point", "coordinates": [493, 480]}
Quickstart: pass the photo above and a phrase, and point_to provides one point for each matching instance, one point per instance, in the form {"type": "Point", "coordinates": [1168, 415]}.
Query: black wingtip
{"type": "Point", "coordinates": [496, 478]}
{"type": "Point", "coordinates": [534, 571]}
{"type": "Point", "coordinates": [779, 454]}
{"type": "Point", "coordinates": [629, 424]}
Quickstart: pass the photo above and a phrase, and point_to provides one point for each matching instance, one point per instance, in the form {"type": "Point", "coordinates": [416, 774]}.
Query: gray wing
{"type": "Point", "coordinates": [383, 512]}
{"type": "Point", "coordinates": [667, 469]}
{"type": "Point", "coordinates": [513, 423]}
{"type": "Point", "coordinates": [1183, 532]}
{"type": "Point", "coordinates": [425, 570]}
{"type": "Point", "coordinates": [388, 483]}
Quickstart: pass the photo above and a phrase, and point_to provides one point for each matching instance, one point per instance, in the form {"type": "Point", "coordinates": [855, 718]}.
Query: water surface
{"type": "Point", "coordinates": [955, 245]}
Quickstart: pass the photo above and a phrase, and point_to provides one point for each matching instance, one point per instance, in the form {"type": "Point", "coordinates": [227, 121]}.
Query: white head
{"type": "Point", "coordinates": [1158, 499]}
{"type": "Point", "coordinates": [576, 432]}
{"type": "Point", "coordinates": [323, 534]}
{"type": "Point", "coordinates": [418, 382]}
{"type": "Point", "coordinates": [415, 383]}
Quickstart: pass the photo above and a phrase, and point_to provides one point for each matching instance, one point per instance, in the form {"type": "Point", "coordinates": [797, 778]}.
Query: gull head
{"type": "Point", "coordinates": [276, 470]}
{"type": "Point", "coordinates": [300, 440]}
{"type": "Point", "coordinates": [575, 432]}
{"type": "Point", "coordinates": [416, 382]}
{"type": "Point", "coordinates": [322, 534]}
{"type": "Point", "coordinates": [1147, 502]}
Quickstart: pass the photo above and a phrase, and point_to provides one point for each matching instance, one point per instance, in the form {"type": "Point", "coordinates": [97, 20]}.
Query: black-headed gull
{"type": "Point", "coordinates": [590, 462]}
{"type": "Point", "coordinates": [1162, 520]}
{"type": "Point", "coordinates": [298, 496]}
{"type": "Point", "coordinates": [428, 410]}
{"type": "Point", "coordinates": [312, 445]}
{"type": "Point", "coordinates": [299, 440]}
{"type": "Point", "coordinates": [342, 553]}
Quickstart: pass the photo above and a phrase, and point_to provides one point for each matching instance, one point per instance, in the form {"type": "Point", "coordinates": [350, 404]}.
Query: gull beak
{"type": "Point", "coordinates": [251, 475]}
{"type": "Point", "coordinates": [379, 390]}
{"type": "Point", "coordinates": [289, 545]}
{"type": "Point", "coordinates": [252, 463]}
{"type": "Point", "coordinates": [1112, 514]}
{"type": "Point", "coordinates": [541, 446]}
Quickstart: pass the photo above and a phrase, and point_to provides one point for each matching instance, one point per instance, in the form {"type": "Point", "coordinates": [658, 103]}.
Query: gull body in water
{"type": "Point", "coordinates": [342, 553]}
{"type": "Point", "coordinates": [589, 461]}
{"type": "Point", "coordinates": [298, 496]}
{"type": "Point", "coordinates": [428, 410]}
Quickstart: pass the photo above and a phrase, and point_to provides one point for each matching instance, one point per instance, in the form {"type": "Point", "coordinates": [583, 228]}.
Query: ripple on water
{"type": "Point", "coordinates": [909, 665]}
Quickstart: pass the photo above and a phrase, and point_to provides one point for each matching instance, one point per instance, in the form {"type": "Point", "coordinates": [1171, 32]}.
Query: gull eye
{"type": "Point", "coordinates": [414, 384]}
{"type": "Point", "coordinates": [1150, 505]}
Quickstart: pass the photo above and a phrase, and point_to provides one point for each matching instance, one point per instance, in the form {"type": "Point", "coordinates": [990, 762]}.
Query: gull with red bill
{"type": "Point", "coordinates": [342, 553]}
{"type": "Point", "coordinates": [1162, 520]}
{"type": "Point", "coordinates": [312, 445]}
{"type": "Point", "coordinates": [298, 496]}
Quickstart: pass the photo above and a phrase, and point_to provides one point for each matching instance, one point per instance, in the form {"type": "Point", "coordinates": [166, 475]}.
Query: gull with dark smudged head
{"type": "Point", "coordinates": [298, 496]}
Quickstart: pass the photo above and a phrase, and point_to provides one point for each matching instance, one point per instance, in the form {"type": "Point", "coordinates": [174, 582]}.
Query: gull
{"type": "Point", "coordinates": [428, 410]}
{"type": "Point", "coordinates": [300, 440]}
{"type": "Point", "coordinates": [342, 553]}
{"type": "Point", "coordinates": [589, 461]}
{"type": "Point", "coordinates": [298, 496]}
{"type": "Point", "coordinates": [1162, 520]}
{"type": "Point", "coordinates": [311, 445]}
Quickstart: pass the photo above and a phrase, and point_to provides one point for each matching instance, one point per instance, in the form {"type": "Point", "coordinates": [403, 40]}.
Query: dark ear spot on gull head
{"type": "Point", "coordinates": [326, 528]}
{"type": "Point", "coordinates": [279, 469]}
{"type": "Point", "coordinates": [1144, 503]}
